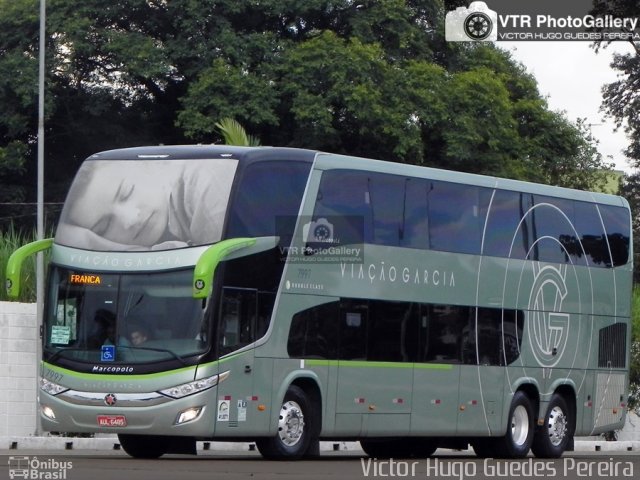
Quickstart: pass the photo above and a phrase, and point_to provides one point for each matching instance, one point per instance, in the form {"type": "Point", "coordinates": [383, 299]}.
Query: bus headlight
{"type": "Point", "coordinates": [196, 386]}
{"type": "Point", "coordinates": [51, 388]}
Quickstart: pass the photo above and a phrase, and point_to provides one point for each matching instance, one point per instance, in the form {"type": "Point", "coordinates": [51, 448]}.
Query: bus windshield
{"type": "Point", "coordinates": [117, 205]}
{"type": "Point", "coordinates": [139, 318]}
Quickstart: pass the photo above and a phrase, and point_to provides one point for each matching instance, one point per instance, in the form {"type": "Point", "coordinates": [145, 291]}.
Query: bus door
{"type": "Point", "coordinates": [374, 376]}
{"type": "Point", "coordinates": [492, 343]}
{"type": "Point", "coordinates": [436, 372]}
{"type": "Point", "coordinates": [241, 322]}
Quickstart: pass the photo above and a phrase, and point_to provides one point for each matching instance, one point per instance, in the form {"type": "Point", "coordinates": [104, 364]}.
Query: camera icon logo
{"type": "Point", "coordinates": [320, 231]}
{"type": "Point", "coordinates": [476, 23]}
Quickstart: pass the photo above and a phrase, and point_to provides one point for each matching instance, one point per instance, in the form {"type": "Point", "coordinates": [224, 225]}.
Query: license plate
{"type": "Point", "coordinates": [112, 421]}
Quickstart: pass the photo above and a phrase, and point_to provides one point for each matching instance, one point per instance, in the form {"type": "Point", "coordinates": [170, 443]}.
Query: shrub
{"type": "Point", "coordinates": [10, 241]}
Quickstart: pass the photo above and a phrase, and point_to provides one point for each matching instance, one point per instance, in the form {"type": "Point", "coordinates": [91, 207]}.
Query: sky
{"type": "Point", "coordinates": [571, 75]}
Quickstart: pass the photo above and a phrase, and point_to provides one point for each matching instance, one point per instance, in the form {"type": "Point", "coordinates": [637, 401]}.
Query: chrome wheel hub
{"type": "Point", "coordinates": [557, 425]}
{"type": "Point", "coordinates": [290, 423]}
{"type": "Point", "coordinates": [520, 425]}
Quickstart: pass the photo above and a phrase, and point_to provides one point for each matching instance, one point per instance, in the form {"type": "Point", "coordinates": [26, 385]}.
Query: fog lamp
{"type": "Point", "coordinates": [48, 412]}
{"type": "Point", "coordinates": [189, 415]}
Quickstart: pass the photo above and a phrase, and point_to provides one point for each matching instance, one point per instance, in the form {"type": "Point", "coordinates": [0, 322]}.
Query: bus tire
{"type": "Point", "coordinates": [144, 446]}
{"type": "Point", "coordinates": [520, 429]}
{"type": "Point", "coordinates": [552, 438]}
{"type": "Point", "coordinates": [295, 427]}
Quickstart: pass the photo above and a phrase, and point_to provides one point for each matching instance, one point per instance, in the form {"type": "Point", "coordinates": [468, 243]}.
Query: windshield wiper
{"type": "Point", "coordinates": [60, 351]}
{"type": "Point", "coordinates": [163, 350]}
{"type": "Point", "coordinates": [153, 349]}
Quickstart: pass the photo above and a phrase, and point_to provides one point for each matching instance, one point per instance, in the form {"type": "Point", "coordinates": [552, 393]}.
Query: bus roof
{"type": "Point", "coordinates": [327, 161]}
{"type": "Point", "coordinates": [205, 152]}
{"type": "Point", "coordinates": [331, 161]}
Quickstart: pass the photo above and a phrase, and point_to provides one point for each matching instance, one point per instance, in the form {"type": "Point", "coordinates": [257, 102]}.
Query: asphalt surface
{"type": "Point", "coordinates": [338, 465]}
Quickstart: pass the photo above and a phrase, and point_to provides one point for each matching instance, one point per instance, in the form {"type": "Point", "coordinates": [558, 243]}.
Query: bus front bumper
{"type": "Point", "coordinates": [143, 414]}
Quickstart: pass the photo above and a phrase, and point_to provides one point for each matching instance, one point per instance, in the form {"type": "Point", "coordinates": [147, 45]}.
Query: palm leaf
{"type": "Point", "coordinates": [234, 133]}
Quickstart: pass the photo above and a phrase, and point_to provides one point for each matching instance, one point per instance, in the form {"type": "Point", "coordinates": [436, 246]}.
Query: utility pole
{"type": "Point", "coordinates": [40, 207]}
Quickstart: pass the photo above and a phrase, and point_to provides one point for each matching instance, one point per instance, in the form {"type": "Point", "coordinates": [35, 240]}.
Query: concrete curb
{"type": "Point", "coordinates": [604, 446]}
{"type": "Point", "coordinates": [111, 443]}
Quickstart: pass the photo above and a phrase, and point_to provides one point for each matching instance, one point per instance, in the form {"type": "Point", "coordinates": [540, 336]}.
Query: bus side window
{"type": "Point", "coordinates": [237, 319]}
{"type": "Point", "coordinates": [552, 228]}
{"type": "Point", "coordinates": [267, 190]}
{"type": "Point", "coordinates": [456, 217]}
{"type": "Point", "coordinates": [345, 194]}
{"type": "Point", "coordinates": [353, 330]}
{"type": "Point", "coordinates": [616, 222]}
{"type": "Point", "coordinates": [393, 331]}
{"type": "Point", "coordinates": [489, 336]}
{"type": "Point", "coordinates": [266, 302]}
{"type": "Point", "coordinates": [415, 226]}
{"type": "Point", "coordinates": [386, 196]}
{"type": "Point", "coordinates": [314, 332]}
{"type": "Point", "coordinates": [448, 327]}
{"type": "Point", "coordinates": [513, 323]}
{"type": "Point", "coordinates": [506, 236]}
{"type": "Point", "coordinates": [592, 243]}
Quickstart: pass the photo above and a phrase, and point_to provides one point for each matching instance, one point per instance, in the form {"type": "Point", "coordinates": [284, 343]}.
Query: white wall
{"type": "Point", "coordinates": [18, 371]}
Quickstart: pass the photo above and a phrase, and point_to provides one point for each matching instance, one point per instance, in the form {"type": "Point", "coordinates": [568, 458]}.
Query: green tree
{"type": "Point", "coordinates": [12, 160]}
{"type": "Point", "coordinates": [373, 78]}
{"type": "Point", "coordinates": [622, 97]}
{"type": "Point", "coordinates": [223, 90]}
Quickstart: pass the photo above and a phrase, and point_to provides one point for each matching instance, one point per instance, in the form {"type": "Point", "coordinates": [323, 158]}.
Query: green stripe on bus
{"type": "Point", "coordinates": [365, 364]}
{"type": "Point", "coordinates": [102, 376]}
{"type": "Point", "coordinates": [118, 377]}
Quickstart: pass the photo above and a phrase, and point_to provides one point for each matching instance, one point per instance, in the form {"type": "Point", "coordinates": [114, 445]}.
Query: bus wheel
{"type": "Point", "coordinates": [517, 442]}
{"type": "Point", "coordinates": [552, 438]}
{"type": "Point", "coordinates": [144, 446]}
{"type": "Point", "coordinates": [294, 428]}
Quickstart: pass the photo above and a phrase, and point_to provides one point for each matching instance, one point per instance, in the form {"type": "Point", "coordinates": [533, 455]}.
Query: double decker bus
{"type": "Point", "coordinates": [288, 296]}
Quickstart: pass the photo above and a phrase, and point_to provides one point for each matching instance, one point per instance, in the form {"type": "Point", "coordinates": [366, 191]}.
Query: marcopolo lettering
{"type": "Point", "coordinates": [111, 369]}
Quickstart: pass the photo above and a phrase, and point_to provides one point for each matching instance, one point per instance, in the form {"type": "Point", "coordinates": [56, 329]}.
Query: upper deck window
{"type": "Point", "coordinates": [461, 218]}
{"type": "Point", "coordinates": [116, 205]}
{"type": "Point", "coordinates": [267, 192]}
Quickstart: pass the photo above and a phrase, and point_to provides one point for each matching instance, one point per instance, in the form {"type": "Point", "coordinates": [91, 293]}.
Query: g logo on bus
{"type": "Point", "coordinates": [110, 399]}
{"type": "Point", "coordinates": [548, 327]}
{"type": "Point", "coordinates": [199, 284]}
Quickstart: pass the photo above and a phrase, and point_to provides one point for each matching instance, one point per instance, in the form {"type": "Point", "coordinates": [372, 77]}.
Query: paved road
{"type": "Point", "coordinates": [115, 465]}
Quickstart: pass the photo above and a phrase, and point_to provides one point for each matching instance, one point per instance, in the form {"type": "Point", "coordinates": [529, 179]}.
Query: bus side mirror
{"type": "Point", "coordinates": [209, 260]}
{"type": "Point", "coordinates": [17, 258]}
